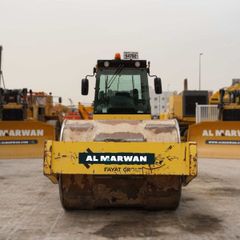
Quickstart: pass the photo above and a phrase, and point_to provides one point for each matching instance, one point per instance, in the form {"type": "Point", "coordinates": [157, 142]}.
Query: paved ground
{"type": "Point", "coordinates": [30, 208]}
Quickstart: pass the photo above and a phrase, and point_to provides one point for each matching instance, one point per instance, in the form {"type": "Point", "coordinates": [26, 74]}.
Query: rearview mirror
{"type": "Point", "coordinates": [158, 85]}
{"type": "Point", "coordinates": [59, 100]}
{"type": "Point", "coordinates": [85, 85]}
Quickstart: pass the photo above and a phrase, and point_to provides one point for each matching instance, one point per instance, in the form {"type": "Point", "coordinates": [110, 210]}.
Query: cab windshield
{"type": "Point", "coordinates": [122, 91]}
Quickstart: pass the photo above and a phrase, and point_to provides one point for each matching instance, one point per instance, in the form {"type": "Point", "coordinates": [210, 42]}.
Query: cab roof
{"type": "Point", "coordinates": [124, 63]}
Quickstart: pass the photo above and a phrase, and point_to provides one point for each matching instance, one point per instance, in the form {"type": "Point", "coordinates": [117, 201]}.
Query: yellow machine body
{"type": "Point", "coordinates": [169, 159]}
{"type": "Point", "coordinates": [218, 139]}
{"type": "Point", "coordinates": [85, 111]}
{"type": "Point", "coordinates": [176, 110]}
{"type": "Point", "coordinates": [182, 108]}
{"type": "Point", "coordinates": [27, 119]}
{"type": "Point", "coordinates": [105, 178]}
{"type": "Point", "coordinates": [221, 138]}
{"type": "Point", "coordinates": [215, 98]}
{"type": "Point", "coordinates": [24, 139]}
{"type": "Point", "coordinates": [26, 122]}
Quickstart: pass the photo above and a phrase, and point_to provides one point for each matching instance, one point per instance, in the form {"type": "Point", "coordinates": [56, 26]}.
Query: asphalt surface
{"type": "Point", "coordinates": [30, 208]}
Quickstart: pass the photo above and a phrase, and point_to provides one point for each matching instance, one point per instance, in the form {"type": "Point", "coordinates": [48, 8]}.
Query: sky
{"type": "Point", "coordinates": [50, 45]}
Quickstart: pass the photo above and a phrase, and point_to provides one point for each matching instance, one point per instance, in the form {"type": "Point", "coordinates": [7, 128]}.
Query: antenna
{"type": "Point", "coordinates": [1, 74]}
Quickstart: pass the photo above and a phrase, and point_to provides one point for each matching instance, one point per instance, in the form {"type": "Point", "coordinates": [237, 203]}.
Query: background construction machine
{"type": "Point", "coordinates": [82, 111]}
{"type": "Point", "coordinates": [85, 111]}
{"type": "Point", "coordinates": [121, 157]}
{"type": "Point", "coordinates": [217, 129]}
{"type": "Point", "coordinates": [183, 108]}
{"type": "Point", "coordinates": [26, 119]}
{"type": "Point", "coordinates": [229, 94]}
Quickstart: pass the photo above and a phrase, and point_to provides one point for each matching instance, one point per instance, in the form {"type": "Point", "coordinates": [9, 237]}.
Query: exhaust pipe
{"type": "Point", "coordinates": [0, 61]}
{"type": "Point", "coordinates": [1, 90]}
{"type": "Point", "coordinates": [185, 87]}
{"type": "Point", "coordinates": [1, 74]}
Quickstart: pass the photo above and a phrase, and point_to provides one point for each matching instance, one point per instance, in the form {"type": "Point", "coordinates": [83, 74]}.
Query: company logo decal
{"type": "Point", "coordinates": [116, 158]}
{"type": "Point", "coordinates": [221, 133]}
{"type": "Point", "coordinates": [223, 142]}
{"type": "Point", "coordinates": [18, 142]}
{"type": "Point", "coordinates": [22, 133]}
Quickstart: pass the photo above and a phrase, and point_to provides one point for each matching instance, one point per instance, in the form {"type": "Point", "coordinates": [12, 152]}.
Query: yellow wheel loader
{"type": "Point", "coordinates": [121, 158]}
{"type": "Point", "coordinates": [27, 119]}
{"type": "Point", "coordinates": [217, 131]}
{"type": "Point", "coordinates": [216, 97]}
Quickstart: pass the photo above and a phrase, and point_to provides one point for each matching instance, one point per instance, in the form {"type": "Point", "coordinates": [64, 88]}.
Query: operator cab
{"type": "Point", "coordinates": [122, 86]}
{"type": "Point", "coordinates": [13, 104]}
{"type": "Point", "coordinates": [229, 105]}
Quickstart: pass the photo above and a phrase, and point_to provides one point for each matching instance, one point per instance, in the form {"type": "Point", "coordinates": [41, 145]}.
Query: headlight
{"type": "Point", "coordinates": [137, 64]}
{"type": "Point", "coordinates": [106, 64]}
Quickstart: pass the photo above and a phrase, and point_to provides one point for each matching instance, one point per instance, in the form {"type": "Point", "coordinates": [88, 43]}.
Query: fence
{"type": "Point", "coordinates": [206, 113]}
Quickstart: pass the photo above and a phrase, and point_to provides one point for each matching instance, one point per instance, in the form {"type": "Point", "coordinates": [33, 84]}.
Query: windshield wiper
{"type": "Point", "coordinates": [118, 70]}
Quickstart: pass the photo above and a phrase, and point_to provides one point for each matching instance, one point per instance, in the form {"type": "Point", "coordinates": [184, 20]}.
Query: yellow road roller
{"type": "Point", "coordinates": [122, 157]}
